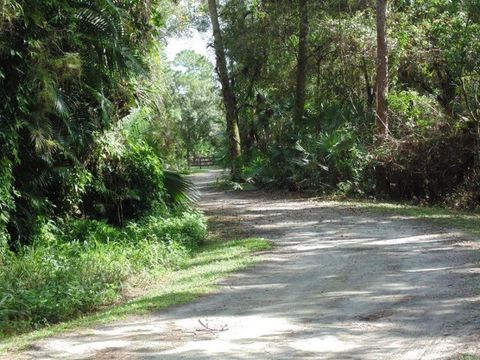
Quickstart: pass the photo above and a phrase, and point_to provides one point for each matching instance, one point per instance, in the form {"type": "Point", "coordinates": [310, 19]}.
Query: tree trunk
{"type": "Point", "coordinates": [381, 115]}
{"type": "Point", "coordinates": [368, 86]}
{"type": "Point", "coordinates": [302, 63]}
{"type": "Point", "coordinates": [227, 92]}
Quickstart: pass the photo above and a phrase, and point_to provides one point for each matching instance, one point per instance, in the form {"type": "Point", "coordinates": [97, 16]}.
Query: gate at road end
{"type": "Point", "coordinates": [202, 161]}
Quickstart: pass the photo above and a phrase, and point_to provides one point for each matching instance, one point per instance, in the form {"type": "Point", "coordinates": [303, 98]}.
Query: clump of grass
{"type": "Point", "coordinates": [197, 276]}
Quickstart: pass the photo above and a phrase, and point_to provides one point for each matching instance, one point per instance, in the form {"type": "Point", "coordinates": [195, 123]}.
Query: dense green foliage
{"type": "Point", "coordinates": [89, 193]}
{"type": "Point", "coordinates": [431, 151]}
{"type": "Point", "coordinates": [67, 72]}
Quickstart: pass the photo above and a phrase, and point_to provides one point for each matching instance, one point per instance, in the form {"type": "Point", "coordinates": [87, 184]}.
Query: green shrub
{"type": "Point", "coordinates": [91, 230]}
{"type": "Point", "coordinates": [343, 158]}
{"type": "Point", "coordinates": [413, 112]}
{"type": "Point", "coordinates": [76, 267]}
{"type": "Point", "coordinates": [330, 161]}
{"type": "Point", "coordinates": [187, 230]}
{"type": "Point", "coordinates": [128, 181]}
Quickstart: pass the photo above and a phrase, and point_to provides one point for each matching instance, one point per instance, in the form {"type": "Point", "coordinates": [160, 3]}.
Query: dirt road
{"type": "Point", "coordinates": [341, 283]}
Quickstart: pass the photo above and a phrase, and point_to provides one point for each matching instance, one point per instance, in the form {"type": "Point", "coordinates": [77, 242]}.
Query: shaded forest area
{"type": "Point", "coordinates": [321, 107]}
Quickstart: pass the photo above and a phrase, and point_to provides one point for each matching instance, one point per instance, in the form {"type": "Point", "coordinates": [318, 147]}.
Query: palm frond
{"type": "Point", "coordinates": [103, 26]}
{"type": "Point", "coordinates": [180, 189]}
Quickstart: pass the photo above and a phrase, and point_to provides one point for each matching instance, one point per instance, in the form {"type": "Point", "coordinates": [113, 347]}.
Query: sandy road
{"type": "Point", "coordinates": [341, 283]}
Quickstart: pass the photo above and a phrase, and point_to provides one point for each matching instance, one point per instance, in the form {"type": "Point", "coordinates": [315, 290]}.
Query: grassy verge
{"type": "Point", "coordinates": [197, 277]}
{"type": "Point", "coordinates": [470, 357]}
{"type": "Point", "coordinates": [83, 265]}
{"type": "Point", "coordinates": [462, 220]}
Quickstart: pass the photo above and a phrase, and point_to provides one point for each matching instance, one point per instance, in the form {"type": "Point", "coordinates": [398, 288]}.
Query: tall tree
{"type": "Point", "coordinates": [302, 62]}
{"type": "Point", "coordinates": [227, 92]}
{"type": "Point", "coordinates": [381, 115]}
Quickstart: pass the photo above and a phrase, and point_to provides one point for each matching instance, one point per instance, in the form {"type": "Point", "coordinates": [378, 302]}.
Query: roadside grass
{"type": "Point", "coordinates": [470, 357]}
{"type": "Point", "coordinates": [197, 277]}
{"type": "Point", "coordinates": [461, 220]}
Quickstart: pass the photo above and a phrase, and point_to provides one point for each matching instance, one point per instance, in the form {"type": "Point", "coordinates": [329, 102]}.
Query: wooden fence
{"type": "Point", "coordinates": [202, 161]}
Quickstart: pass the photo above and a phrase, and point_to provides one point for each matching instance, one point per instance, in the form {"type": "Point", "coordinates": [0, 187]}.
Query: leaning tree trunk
{"type": "Point", "coordinates": [381, 115]}
{"type": "Point", "coordinates": [302, 64]}
{"type": "Point", "coordinates": [227, 92]}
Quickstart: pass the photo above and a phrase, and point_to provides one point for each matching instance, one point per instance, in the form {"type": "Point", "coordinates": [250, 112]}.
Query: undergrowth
{"type": "Point", "coordinates": [195, 276]}
{"type": "Point", "coordinates": [76, 268]}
